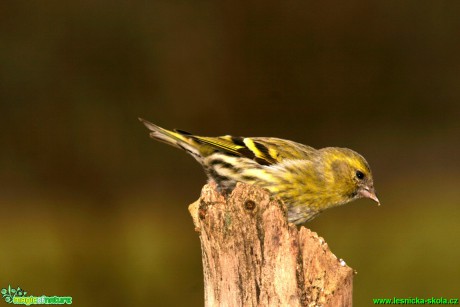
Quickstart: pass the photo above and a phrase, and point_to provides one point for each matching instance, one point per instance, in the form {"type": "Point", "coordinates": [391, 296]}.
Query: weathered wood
{"type": "Point", "coordinates": [253, 257]}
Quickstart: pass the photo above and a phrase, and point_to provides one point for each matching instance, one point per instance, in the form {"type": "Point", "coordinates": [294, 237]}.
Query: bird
{"type": "Point", "coordinates": [306, 179]}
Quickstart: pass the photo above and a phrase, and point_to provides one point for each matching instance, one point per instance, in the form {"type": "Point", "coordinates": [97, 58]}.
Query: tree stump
{"type": "Point", "coordinates": [253, 257]}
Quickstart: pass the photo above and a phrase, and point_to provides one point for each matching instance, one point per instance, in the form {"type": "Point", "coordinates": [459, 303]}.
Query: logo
{"type": "Point", "coordinates": [19, 297]}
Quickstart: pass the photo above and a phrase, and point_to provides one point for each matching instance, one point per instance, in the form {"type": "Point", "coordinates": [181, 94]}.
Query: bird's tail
{"type": "Point", "coordinates": [178, 139]}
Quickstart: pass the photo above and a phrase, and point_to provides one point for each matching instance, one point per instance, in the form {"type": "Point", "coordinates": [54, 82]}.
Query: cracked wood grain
{"type": "Point", "coordinates": [253, 257]}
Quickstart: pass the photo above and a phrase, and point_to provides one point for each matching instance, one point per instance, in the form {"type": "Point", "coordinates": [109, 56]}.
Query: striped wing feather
{"type": "Point", "coordinates": [265, 151]}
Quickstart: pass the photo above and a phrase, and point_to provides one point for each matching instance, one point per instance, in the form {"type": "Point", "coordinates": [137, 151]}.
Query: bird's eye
{"type": "Point", "coordinates": [359, 175]}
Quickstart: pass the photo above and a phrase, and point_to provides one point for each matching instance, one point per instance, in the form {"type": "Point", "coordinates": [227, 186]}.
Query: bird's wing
{"type": "Point", "coordinates": [265, 151]}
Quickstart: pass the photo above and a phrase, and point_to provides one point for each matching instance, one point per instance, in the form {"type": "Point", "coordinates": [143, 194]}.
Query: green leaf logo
{"type": "Point", "coordinates": [10, 293]}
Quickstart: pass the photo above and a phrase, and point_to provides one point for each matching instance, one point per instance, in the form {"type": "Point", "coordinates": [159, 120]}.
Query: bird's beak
{"type": "Point", "coordinates": [369, 192]}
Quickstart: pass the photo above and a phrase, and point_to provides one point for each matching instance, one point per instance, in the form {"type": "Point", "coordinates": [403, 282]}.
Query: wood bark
{"type": "Point", "coordinates": [253, 257]}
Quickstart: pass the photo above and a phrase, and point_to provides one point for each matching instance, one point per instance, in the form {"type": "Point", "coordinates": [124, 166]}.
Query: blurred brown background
{"type": "Point", "coordinates": [92, 208]}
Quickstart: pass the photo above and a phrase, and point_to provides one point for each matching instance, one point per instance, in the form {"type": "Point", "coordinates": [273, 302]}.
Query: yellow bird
{"type": "Point", "coordinates": [308, 180]}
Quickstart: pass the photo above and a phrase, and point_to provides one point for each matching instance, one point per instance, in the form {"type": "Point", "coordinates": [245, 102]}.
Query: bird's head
{"type": "Point", "coordinates": [350, 174]}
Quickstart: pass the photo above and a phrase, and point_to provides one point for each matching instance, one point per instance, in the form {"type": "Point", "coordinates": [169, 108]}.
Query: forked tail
{"type": "Point", "coordinates": [178, 139]}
